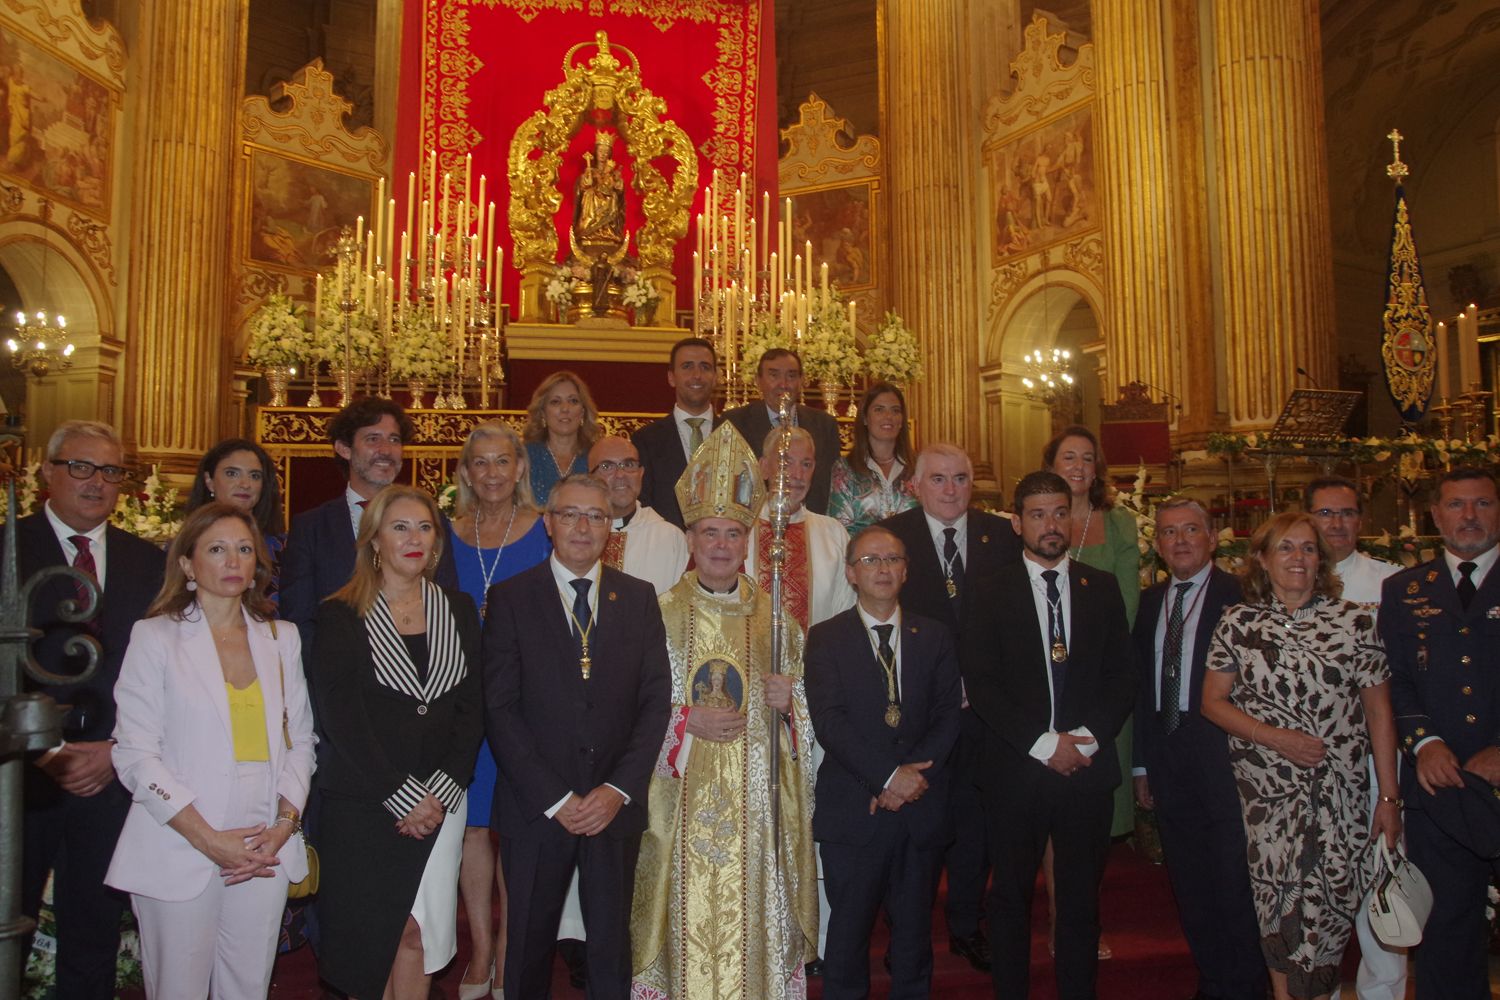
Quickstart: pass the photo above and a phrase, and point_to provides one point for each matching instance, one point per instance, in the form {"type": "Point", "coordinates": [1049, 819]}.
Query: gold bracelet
{"type": "Point", "coordinates": [1395, 802]}
{"type": "Point", "coordinates": [292, 818]}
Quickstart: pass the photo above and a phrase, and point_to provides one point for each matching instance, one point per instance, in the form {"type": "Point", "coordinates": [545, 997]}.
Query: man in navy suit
{"type": "Point", "coordinates": [1051, 675]}
{"type": "Point", "coordinates": [75, 808]}
{"type": "Point", "coordinates": [577, 695]}
{"type": "Point", "coordinates": [367, 437]}
{"type": "Point", "coordinates": [1440, 624]}
{"type": "Point", "coordinates": [665, 445]}
{"type": "Point", "coordinates": [949, 547]}
{"type": "Point", "coordinates": [1181, 761]}
{"type": "Point", "coordinates": [778, 373]}
{"type": "Point", "coordinates": [883, 690]}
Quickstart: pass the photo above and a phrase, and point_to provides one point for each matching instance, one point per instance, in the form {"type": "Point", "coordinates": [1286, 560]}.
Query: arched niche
{"type": "Point", "coordinates": [1056, 308]}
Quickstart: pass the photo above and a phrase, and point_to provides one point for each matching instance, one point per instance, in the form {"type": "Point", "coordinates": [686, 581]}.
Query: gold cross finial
{"type": "Point", "coordinates": [1396, 170]}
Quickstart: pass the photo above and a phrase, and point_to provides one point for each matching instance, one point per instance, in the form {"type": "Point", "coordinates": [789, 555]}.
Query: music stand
{"type": "Point", "coordinates": [1311, 425]}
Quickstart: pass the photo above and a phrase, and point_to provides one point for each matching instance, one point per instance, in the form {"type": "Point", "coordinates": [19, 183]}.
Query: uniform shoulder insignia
{"type": "Point", "coordinates": [1432, 576]}
{"type": "Point", "coordinates": [1413, 587]}
{"type": "Point", "coordinates": [1426, 612]}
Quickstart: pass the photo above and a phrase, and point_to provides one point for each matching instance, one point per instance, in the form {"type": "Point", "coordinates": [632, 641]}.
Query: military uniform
{"type": "Point", "coordinates": [1445, 684]}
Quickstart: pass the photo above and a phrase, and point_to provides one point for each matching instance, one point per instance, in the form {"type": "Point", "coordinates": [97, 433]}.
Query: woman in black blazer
{"type": "Point", "coordinates": [394, 672]}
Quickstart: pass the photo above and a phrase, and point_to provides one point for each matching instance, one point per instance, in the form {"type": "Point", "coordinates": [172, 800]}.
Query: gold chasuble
{"type": "Point", "coordinates": [716, 914]}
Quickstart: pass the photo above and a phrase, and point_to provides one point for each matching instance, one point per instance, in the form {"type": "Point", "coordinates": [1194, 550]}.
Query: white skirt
{"type": "Point", "coordinates": [436, 906]}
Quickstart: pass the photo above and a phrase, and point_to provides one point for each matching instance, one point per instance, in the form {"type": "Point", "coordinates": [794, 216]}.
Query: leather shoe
{"type": "Point", "coordinates": [813, 968]}
{"type": "Point", "coordinates": [976, 950]}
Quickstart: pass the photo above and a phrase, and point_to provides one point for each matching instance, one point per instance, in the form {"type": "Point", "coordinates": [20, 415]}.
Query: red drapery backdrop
{"type": "Point", "coordinates": [472, 72]}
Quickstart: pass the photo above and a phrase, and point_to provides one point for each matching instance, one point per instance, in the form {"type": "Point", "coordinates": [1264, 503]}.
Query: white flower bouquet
{"type": "Point", "coordinates": [828, 349]}
{"type": "Point", "coordinates": [278, 333]}
{"type": "Point", "coordinates": [892, 354]}
{"type": "Point", "coordinates": [417, 350]}
{"type": "Point", "coordinates": [365, 347]}
{"type": "Point", "coordinates": [763, 335]}
{"type": "Point", "coordinates": [153, 514]}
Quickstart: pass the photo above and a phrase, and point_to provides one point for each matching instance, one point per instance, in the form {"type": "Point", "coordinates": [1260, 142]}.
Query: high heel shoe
{"type": "Point", "coordinates": [476, 991]}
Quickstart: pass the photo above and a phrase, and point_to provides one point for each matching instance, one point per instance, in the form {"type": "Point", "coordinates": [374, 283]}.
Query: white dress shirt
{"type": "Point", "coordinates": [1046, 744]}
{"type": "Point", "coordinates": [1483, 563]}
{"type": "Point", "coordinates": [685, 430]}
{"type": "Point", "coordinates": [870, 622]}
{"type": "Point", "coordinates": [95, 535]}
{"type": "Point", "coordinates": [1362, 576]}
{"type": "Point", "coordinates": [356, 510]}
{"type": "Point", "coordinates": [1192, 613]}
{"type": "Point", "coordinates": [960, 537]}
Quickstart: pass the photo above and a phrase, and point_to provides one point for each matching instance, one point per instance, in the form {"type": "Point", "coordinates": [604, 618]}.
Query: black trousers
{"type": "Point", "coordinates": [967, 860]}
{"type": "Point", "coordinates": [537, 873]}
{"type": "Point", "coordinates": [75, 838]}
{"type": "Point", "coordinates": [1203, 837]}
{"type": "Point", "coordinates": [1078, 823]}
{"type": "Point", "coordinates": [892, 871]}
{"type": "Point", "coordinates": [1453, 958]}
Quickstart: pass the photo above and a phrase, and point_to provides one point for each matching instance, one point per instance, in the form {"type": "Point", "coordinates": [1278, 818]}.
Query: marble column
{"type": "Point", "coordinates": [186, 72]}
{"type": "Point", "coordinates": [932, 161]}
{"type": "Point", "coordinates": [1274, 254]}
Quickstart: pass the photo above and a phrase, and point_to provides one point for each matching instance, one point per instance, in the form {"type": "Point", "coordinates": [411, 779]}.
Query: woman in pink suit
{"type": "Point", "coordinates": [214, 742]}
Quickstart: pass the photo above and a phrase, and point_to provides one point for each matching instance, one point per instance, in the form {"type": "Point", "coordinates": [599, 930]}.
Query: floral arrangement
{"type": "Point", "coordinates": [1376, 449]}
{"type": "Point", "coordinates": [765, 334]}
{"type": "Point", "coordinates": [152, 514]}
{"type": "Point", "coordinates": [365, 347]}
{"type": "Point", "coordinates": [28, 491]}
{"type": "Point", "coordinates": [447, 497]}
{"type": "Point", "coordinates": [892, 354]}
{"type": "Point", "coordinates": [39, 978]}
{"type": "Point", "coordinates": [563, 285]}
{"type": "Point", "coordinates": [828, 349]}
{"type": "Point", "coordinates": [278, 333]}
{"type": "Point", "coordinates": [417, 351]}
{"type": "Point", "coordinates": [1407, 549]}
{"type": "Point", "coordinates": [640, 292]}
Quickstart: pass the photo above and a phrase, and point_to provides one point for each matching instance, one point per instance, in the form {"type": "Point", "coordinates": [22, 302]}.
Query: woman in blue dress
{"type": "Point", "coordinates": [240, 473]}
{"type": "Point", "coordinates": [496, 532]}
{"type": "Point", "coordinates": [562, 423]}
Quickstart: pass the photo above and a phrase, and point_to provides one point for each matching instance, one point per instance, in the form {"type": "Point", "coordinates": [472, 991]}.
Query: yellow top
{"type": "Point", "coordinates": [247, 721]}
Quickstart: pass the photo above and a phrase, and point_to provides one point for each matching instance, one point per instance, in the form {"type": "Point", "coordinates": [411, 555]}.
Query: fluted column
{"type": "Point", "coordinates": [1275, 259]}
{"type": "Point", "coordinates": [1156, 272]}
{"type": "Point", "coordinates": [188, 56]}
{"type": "Point", "coordinates": [932, 162]}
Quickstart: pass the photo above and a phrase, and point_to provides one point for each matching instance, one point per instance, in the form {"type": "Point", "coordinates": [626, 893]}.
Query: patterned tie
{"type": "Point", "coordinates": [1466, 587]}
{"type": "Point", "coordinates": [1171, 664]}
{"type": "Point", "coordinates": [84, 561]}
{"type": "Point", "coordinates": [887, 654]}
{"type": "Point", "coordinates": [581, 613]}
{"type": "Point", "coordinates": [953, 563]}
{"type": "Point", "coordinates": [1057, 633]}
{"type": "Point", "coordinates": [695, 433]}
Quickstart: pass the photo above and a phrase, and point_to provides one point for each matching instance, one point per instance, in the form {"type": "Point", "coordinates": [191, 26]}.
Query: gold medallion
{"type": "Point", "coordinates": [1059, 652]}
{"type": "Point", "coordinates": [585, 663]}
{"type": "Point", "coordinates": [893, 715]}
{"type": "Point", "coordinates": [952, 588]}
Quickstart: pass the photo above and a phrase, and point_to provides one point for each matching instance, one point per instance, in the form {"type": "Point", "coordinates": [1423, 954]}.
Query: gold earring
{"type": "Point", "coordinates": [375, 556]}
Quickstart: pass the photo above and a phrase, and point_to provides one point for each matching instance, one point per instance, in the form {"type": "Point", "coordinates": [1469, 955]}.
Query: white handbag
{"type": "Point", "coordinates": [1400, 900]}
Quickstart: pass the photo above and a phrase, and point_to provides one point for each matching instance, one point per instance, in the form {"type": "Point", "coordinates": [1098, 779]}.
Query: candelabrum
{"type": "Point", "coordinates": [1049, 374]}
{"type": "Point", "coordinates": [40, 345]}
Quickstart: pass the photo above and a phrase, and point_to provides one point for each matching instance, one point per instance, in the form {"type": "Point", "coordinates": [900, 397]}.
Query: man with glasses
{"type": "Point", "coordinates": [1334, 503]}
{"type": "Point", "coordinates": [883, 690]}
{"type": "Point", "coordinates": [75, 808]}
{"type": "Point", "coordinates": [640, 543]}
{"type": "Point", "coordinates": [576, 701]}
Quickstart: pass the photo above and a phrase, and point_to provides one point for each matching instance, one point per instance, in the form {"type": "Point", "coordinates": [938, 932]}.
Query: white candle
{"type": "Point", "coordinates": [851, 316]}
{"type": "Point", "coordinates": [317, 300]}
{"type": "Point", "coordinates": [824, 304]}
{"type": "Point", "coordinates": [379, 218]}
{"type": "Point", "coordinates": [1440, 338]}
{"type": "Point", "coordinates": [411, 199]}
{"type": "Point", "coordinates": [489, 241]}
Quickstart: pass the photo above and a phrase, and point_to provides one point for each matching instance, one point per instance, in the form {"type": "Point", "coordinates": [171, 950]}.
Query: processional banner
{"type": "Point", "coordinates": [473, 71]}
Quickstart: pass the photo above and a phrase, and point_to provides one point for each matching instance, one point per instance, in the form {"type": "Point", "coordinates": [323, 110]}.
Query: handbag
{"type": "Point", "coordinates": [1400, 901]}
{"type": "Point", "coordinates": [309, 885]}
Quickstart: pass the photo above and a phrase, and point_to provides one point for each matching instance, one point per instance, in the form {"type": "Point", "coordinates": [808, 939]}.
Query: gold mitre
{"type": "Point", "coordinates": [722, 480]}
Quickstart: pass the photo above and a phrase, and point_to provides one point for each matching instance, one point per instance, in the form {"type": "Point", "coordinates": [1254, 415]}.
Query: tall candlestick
{"type": "Point", "coordinates": [379, 218]}
{"type": "Point", "coordinates": [765, 225]}
{"type": "Point", "coordinates": [489, 266]}
{"type": "Point", "coordinates": [1440, 337]}
{"type": "Point", "coordinates": [697, 285]}
{"type": "Point", "coordinates": [411, 198]}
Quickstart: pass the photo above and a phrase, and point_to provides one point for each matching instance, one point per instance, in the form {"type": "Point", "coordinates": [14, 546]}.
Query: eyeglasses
{"type": "Point", "coordinates": [626, 465]}
{"type": "Point", "coordinates": [79, 469]}
{"type": "Point", "coordinates": [568, 516]}
{"type": "Point", "coordinates": [871, 561]}
{"type": "Point", "coordinates": [1331, 513]}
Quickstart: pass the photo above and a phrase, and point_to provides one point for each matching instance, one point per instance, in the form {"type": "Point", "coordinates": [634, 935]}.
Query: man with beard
{"type": "Point", "coordinates": [665, 445]}
{"type": "Point", "coordinates": [1050, 674]}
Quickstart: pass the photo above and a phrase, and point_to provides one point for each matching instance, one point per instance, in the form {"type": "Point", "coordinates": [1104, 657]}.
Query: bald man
{"type": "Point", "coordinates": [641, 543]}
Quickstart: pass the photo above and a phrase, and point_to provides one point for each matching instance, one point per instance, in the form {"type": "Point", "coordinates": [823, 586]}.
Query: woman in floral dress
{"type": "Point", "coordinates": [1299, 680]}
{"type": "Point", "coordinates": [874, 481]}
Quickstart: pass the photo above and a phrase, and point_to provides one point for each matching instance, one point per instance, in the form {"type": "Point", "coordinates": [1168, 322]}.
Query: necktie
{"type": "Point", "coordinates": [581, 613]}
{"type": "Point", "coordinates": [84, 560]}
{"type": "Point", "coordinates": [1466, 588]}
{"type": "Point", "coordinates": [695, 433]}
{"type": "Point", "coordinates": [887, 654]}
{"type": "Point", "coordinates": [1171, 664]}
{"type": "Point", "coordinates": [953, 564]}
{"type": "Point", "coordinates": [1058, 637]}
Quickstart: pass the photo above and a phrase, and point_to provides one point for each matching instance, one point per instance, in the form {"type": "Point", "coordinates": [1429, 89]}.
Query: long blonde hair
{"type": "Point", "coordinates": [536, 422]}
{"type": "Point", "coordinates": [364, 585]}
{"type": "Point", "coordinates": [465, 501]}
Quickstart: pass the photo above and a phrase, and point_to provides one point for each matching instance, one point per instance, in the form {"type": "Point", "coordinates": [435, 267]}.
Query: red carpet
{"type": "Point", "coordinates": [1140, 923]}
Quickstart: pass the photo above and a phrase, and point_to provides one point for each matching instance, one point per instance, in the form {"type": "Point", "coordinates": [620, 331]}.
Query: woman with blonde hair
{"type": "Point", "coordinates": [214, 741]}
{"type": "Point", "coordinates": [562, 423]}
{"type": "Point", "coordinates": [396, 680]}
{"type": "Point", "coordinates": [496, 532]}
{"type": "Point", "coordinates": [1298, 679]}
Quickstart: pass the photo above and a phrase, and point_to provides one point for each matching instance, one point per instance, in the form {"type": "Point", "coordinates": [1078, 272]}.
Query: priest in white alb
{"type": "Point", "coordinates": [641, 542]}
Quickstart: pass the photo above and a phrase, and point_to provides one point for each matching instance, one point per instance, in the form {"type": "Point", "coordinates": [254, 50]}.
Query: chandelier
{"type": "Point", "coordinates": [40, 344]}
{"type": "Point", "coordinates": [1048, 374]}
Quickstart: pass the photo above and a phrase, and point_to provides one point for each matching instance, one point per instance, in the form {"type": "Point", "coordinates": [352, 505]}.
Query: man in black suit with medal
{"type": "Point", "coordinates": [949, 547]}
{"type": "Point", "coordinates": [1049, 672]}
{"type": "Point", "coordinates": [75, 808]}
{"type": "Point", "coordinates": [1440, 624]}
{"type": "Point", "coordinates": [1181, 761]}
{"type": "Point", "coordinates": [577, 694]}
{"type": "Point", "coordinates": [778, 373]}
{"type": "Point", "coordinates": [882, 687]}
{"type": "Point", "coordinates": [664, 446]}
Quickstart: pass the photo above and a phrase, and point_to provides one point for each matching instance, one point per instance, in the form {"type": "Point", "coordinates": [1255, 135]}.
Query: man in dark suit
{"type": "Point", "coordinates": [1181, 761]}
{"type": "Point", "coordinates": [367, 437]}
{"type": "Point", "coordinates": [883, 691]}
{"type": "Point", "coordinates": [1050, 673]}
{"type": "Point", "coordinates": [778, 374]}
{"type": "Point", "coordinates": [665, 445]}
{"type": "Point", "coordinates": [947, 542]}
{"type": "Point", "coordinates": [74, 807]}
{"type": "Point", "coordinates": [577, 693]}
{"type": "Point", "coordinates": [1440, 624]}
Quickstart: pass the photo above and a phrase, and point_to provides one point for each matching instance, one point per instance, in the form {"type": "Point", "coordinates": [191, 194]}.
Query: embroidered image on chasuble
{"type": "Point", "coordinates": [716, 914]}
